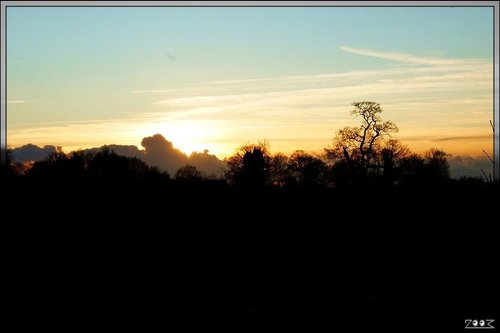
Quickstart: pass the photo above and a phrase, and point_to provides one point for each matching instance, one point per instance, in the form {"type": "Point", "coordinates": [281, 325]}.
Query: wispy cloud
{"type": "Point", "coordinates": [330, 96]}
{"type": "Point", "coordinates": [401, 57]}
{"type": "Point", "coordinates": [16, 102]}
{"type": "Point", "coordinates": [466, 137]}
{"type": "Point", "coordinates": [435, 101]}
{"type": "Point", "coordinates": [451, 92]}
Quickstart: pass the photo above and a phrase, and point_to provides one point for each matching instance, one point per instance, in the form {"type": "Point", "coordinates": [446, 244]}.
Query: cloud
{"type": "Point", "coordinates": [16, 102]}
{"type": "Point", "coordinates": [401, 57]}
{"type": "Point", "coordinates": [470, 137]}
{"type": "Point", "coordinates": [124, 150]}
{"type": "Point", "coordinates": [305, 99]}
{"type": "Point", "coordinates": [469, 166]}
{"type": "Point", "coordinates": [455, 94]}
{"type": "Point", "coordinates": [207, 163]}
{"type": "Point", "coordinates": [32, 152]}
{"type": "Point", "coordinates": [430, 75]}
{"type": "Point", "coordinates": [161, 153]}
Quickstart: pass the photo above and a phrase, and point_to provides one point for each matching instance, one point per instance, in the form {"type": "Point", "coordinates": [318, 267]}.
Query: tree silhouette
{"type": "Point", "coordinates": [279, 173]}
{"type": "Point", "coordinates": [412, 169]}
{"type": "Point", "coordinates": [342, 175]}
{"type": "Point", "coordinates": [359, 146]}
{"type": "Point", "coordinates": [392, 154]}
{"type": "Point", "coordinates": [8, 168]}
{"type": "Point", "coordinates": [432, 168]}
{"type": "Point", "coordinates": [60, 166]}
{"type": "Point", "coordinates": [105, 166]}
{"type": "Point", "coordinates": [108, 165]}
{"type": "Point", "coordinates": [250, 165]}
{"type": "Point", "coordinates": [307, 170]}
{"type": "Point", "coordinates": [437, 165]}
{"type": "Point", "coordinates": [8, 155]}
{"type": "Point", "coordinates": [188, 173]}
{"type": "Point", "coordinates": [361, 155]}
{"type": "Point", "coordinates": [254, 168]}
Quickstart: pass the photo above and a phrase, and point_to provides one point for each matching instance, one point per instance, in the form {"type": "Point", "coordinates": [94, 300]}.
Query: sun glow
{"type": "Point", "coordinates": [187, 136]}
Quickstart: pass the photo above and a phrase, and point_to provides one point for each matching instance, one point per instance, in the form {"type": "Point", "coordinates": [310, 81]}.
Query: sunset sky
{"type": "Point", "coordinates": [216, 78]}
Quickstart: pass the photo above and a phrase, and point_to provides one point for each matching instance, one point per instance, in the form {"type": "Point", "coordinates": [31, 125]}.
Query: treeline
{"type": "Point", "coordinates": [105, 165]}
{"type": "Point", "coordinates": [330, 235]}
{"type": "Point", "coordinates": [359, 156]}
{"type": "Point", "coordinates": [252, 166]}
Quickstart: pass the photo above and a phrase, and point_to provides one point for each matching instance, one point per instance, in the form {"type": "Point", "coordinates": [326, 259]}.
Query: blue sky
{"type": "Point", "coordinates": [95, 70]}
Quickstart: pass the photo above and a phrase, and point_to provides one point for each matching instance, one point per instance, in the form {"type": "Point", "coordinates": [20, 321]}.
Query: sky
{"type": "Point", "coordinates": [217, 78]}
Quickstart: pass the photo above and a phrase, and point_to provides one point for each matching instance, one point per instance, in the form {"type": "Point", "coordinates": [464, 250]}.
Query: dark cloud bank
{"type": "Point", "coordinates": [32, 152]}
{"type": "Point", "coordinates": [158, 152]}
{"type": "Point", "coordinates": [469, 166]}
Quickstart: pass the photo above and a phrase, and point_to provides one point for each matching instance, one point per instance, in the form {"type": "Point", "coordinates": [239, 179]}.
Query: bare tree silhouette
{"type": "Point", "coordinates": [359, 146]}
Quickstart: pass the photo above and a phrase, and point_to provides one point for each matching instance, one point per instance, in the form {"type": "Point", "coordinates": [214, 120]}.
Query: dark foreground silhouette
{"type": "Point", "coordinates": [377, 239]}
{"type": "Point", "coordinates": [169, 251]}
